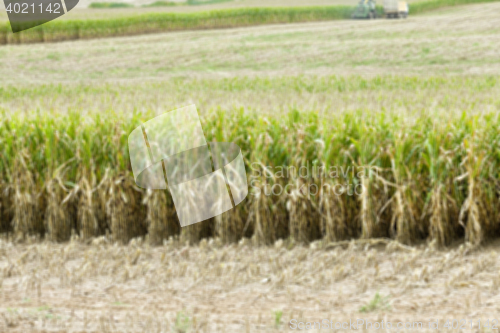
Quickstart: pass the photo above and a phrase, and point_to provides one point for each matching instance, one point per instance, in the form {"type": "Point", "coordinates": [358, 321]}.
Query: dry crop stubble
{"type": "Point", "coordinates": [267, 216]}
{"type": "Point", "coordinates": [27, 199]}
{"type": "Point", "coordinates": [61, 212]}
{"type": "Point", "coordinates": [304, 219]}
{"type": "Point", "coordinates": [126, 213]}
{"type": "Point", "coordinates": [6, 207]}
{"type": "Point", "coordinates": [232, 225]}
{"type": "Point", "coordinates": [334, 215]}
{"type": "Point", "coordinates": [41, 281]}
{"type": "Point", "coordinates": [482, 200]}
{"type": "Point", "coordinates": [443, 207]}
{"type": "Point", "coordinates": [162, 219]}
{"type": "Point", "coordinates": [92, 208]}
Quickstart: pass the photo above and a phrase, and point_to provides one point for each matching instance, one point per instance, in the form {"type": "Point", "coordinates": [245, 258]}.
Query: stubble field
{"type": "Point", "coordinates": [448, 42]}
{"type": "Point", "coordinates": [102, 287]}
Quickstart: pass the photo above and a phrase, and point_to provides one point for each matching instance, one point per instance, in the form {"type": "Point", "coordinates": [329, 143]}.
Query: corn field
{"type": "Point", "coordinates": [411, 176]}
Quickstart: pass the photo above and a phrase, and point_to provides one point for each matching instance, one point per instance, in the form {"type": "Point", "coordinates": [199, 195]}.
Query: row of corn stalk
{"type": "Point", "coordinates": [335, 177]}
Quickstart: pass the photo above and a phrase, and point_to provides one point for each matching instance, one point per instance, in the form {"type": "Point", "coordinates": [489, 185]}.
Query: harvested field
{"type": "Point", "coordinates": [415, 102]}
{"type": "Point", "coordinates": [239, 288]}
{"type": "Point", "coordinates": [457, 42]}
{"type": "Point", "coordinates": [154, 22]}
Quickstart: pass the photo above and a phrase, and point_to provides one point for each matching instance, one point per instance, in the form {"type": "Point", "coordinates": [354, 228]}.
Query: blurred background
{"type": "Point", "coordinates": [406, 92]}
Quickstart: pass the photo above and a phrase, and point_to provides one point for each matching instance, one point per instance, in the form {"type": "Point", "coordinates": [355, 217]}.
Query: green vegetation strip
{"type": "Point", "coordinates": [110, 5]}
{"type": "Point", "coordinates": [161, 4]}
{"type": "Point", "coordinates": [425, 6]}
{"type": "Point", "coordinates": [207, 2]}
{"type": "Point", "coordinates": [60, 30]}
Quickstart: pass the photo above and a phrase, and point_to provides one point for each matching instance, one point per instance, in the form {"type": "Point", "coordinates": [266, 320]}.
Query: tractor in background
{"type": "Point", "coordinates": [366, 9]}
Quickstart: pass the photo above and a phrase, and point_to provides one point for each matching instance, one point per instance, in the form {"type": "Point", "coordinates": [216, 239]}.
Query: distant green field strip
{"type": "Point", "coordinates": [162, 22]}
{"type": "Point", "coordinates": [209, 2]}
{"type": "Point", "coordinates": [109, 5]}
{"type": "Point", "coordinates": [425, 6]}
{"type": "Point", "coordinates": [60, 30]}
